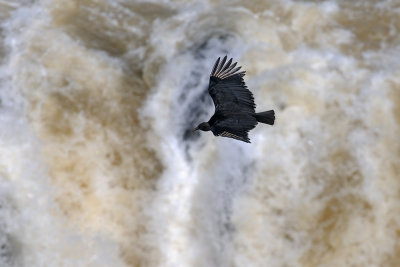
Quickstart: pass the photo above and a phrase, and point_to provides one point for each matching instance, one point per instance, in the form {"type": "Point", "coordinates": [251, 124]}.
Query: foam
{"type": "Point", "coordinates": [99, 166]}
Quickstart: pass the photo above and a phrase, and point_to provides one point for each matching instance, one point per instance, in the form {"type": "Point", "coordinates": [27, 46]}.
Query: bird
{"type": "Point", "coordinates": [234, 114]}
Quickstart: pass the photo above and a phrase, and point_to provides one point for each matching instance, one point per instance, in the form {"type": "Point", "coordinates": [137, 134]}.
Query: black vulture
{"type": "Point", "coordinates": [234, 114]}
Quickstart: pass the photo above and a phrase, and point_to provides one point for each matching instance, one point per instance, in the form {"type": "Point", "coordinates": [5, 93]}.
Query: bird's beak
{"type": "Point", "coordinates": [195, 129]}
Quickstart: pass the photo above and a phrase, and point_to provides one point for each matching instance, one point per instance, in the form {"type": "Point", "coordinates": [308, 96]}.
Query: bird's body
{"type": "Point", "coordinates": [234, 104]}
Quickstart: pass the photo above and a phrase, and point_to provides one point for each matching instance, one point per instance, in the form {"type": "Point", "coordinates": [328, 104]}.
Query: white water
{"type": "Point", "coordinates": [98, 166]}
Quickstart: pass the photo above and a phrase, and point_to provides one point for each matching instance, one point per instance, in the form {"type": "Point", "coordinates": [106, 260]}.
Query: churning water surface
{"type": "Point", "coordinates": [98, 166]}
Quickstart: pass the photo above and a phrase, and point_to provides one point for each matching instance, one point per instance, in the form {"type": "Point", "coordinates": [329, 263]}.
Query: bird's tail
{"type": "Point", "coordinates": [267, 117]}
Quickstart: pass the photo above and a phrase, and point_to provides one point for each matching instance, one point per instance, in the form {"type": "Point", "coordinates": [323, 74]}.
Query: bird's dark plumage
{"type": "Point", "coordinates": [234, 104]}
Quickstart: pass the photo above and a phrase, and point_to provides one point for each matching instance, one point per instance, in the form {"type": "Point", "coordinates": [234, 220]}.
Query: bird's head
{"type": "Point", "coordinates": [204, 126]}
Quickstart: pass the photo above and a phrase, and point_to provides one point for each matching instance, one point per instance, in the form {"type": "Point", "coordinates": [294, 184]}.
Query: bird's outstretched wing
{"type": "Point", "coordinates": [235, 127]}
{"type": "Point", "coordinates": [228, 90]}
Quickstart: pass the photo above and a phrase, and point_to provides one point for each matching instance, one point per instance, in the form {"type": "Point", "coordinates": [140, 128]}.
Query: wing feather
{"type": "Point", "coordinates": [228, 71]}
{"type": "Point", "coordinates": [228, 89]}
{"type": "Point", "coordinates": [234, 136]}
{"type": "Point", "coordinates": [236, 127]}
{"type": "Point", "coordinates": [227, 74]}
{"type": "Point", "coordinates": [222, 71]}
{"type": "Point", "coordinates": [220, 66]}
{"type": "Point", "coordinates": [215, 66]}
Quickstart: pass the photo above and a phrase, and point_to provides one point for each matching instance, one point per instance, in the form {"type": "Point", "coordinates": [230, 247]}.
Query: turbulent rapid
{"type": "Point", "coordinates": [99, 165]}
